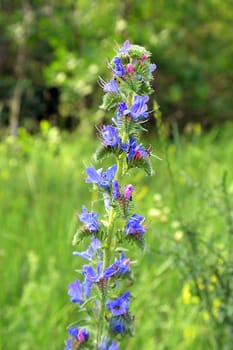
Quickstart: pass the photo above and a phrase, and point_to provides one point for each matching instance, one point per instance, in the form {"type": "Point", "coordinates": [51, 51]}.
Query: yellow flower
{"type": "Point", "coordinates": [186, 294]}
{"type": "Point", "coordinates": [205, 316]}
{"type": "Point", "coordinates": [5, 174]}
{"type": "Point", "coordinates": [190, 333]}
{"type": "Point", "coordinates": [154, 213]}
{"type": "Point", "coordinates": [216, 303]}
{"type": "Point", "coordinates": [157, 197]}
{"type": "Point", "coordinates": [163, 218]}
{"type": "Point", "coordinates": [195, 300]}
{"type": "Point", "coordinates": [216, 306]}
{"type": "Point", "coordinates": [213, 279]}
{"type": "Point", "coordinates": [178, 235]}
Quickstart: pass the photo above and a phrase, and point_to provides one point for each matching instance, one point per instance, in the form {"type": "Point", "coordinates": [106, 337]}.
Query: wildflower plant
{"type": "Point", "coordinates": [101, 292]}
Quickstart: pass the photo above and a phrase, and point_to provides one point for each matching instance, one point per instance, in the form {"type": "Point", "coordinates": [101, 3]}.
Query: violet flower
{"type": "Point", "coordinates": [133, 226]}
{"type": "Point", "coordinates": [110, 136]}
{"type": "Point", "coordinates": [119, 68]}
{"type": "Point", "coordinates": [102, 179]}
{"type": "Point", "coordinates": [90, 220]}
{"type": "Point", "coordinates": [125, 48]}
{"type": "Point", "coordinates": [105, 345]}
{"type": "Point", "coordinates": [78, 290]}
{"type": "Point", "coordinates": [119, 306]}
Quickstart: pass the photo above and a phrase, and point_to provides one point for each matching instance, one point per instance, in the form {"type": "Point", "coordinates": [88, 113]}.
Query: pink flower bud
{"type": "Point", "coordinates": [143, 57]}
{"type": "Point", "coordinates": [130, 68]}
{"type": "Point", "coordinates": [126, 262]}
{"type": "Point", "coordinates": [128, 190]}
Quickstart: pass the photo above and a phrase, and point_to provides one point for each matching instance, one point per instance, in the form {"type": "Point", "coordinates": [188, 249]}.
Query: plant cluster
{"type": "Point", "coordinates": [102, 292]}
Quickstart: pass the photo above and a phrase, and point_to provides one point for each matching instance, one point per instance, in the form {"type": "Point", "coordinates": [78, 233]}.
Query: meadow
{"type": "Point", "coordinates": [42, 188]}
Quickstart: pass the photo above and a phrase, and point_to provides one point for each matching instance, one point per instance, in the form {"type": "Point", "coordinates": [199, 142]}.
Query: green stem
{"type": "Point", "coordinates": [108, 248]}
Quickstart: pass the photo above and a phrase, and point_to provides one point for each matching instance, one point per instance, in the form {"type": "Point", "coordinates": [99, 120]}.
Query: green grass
{"type": "Point", "coordinates": [42, 187]}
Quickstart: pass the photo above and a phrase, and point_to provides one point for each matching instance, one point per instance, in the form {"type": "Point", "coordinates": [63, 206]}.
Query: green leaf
{"type": "Point", "coordinates": [110, 101]}
{"type": "Point", "coordinates": [143, 163]}
{"type": "Point", "coordinates": [139, 240]}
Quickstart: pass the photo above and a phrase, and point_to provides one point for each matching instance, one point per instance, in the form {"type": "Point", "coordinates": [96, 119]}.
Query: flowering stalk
{"type": "Point", "coordinates": [102, 294]}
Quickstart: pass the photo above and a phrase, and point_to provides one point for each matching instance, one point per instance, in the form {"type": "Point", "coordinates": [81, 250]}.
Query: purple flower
{"type": "Point", "coordinates": [91, 275]}
{"type": "Point", "coordinates": [124, 146]}
{"type": "Point", "coordinates": [128, 191]}
{"type": "Point", "coordinates": [119, 306]}
{"type": "Point", "coordinates": [92, 251]}
{"type": "Point", "coordinates": [68, 345]}
{"type": "Point", "coordinates": [90, 220]}
{"type": "Point", "coordinates": [110, 86]}
{"type": "Point", "coordinates": [152, 67]}
{"type": "Point", "coordinates": [110, 137]}
{"type": "Point", "coordinates": [80, 335]}
{"type": "Point", "coordinates": [119, 267]}
{"type": "Point", "coordinates": [122, 109]}
{"type": "Point", "coordinates": [117, 325]}
{"type": "Point", "coordinates": [99, 275]}
{"type": "Point", "coordinates": [136, 151]}
{"type": "Point", "coordinates": [115, 189]}
{"type": "Point", "coordinates": [106, 346]}
{"type": "Point", "coordinates": [139, 107]}
{"type": "Point", "coordinates": [133, 225]}
{"type": "Point", "coordinates": [103, 179]}
{"type": "Point", "coordinates": [125, 48]}
{"type": "Point", "coordinates": [123, 265]}
{"type": "Point", "coordinates": [77, 291]}
{"type": "Point", "coordinates": [119, 68]}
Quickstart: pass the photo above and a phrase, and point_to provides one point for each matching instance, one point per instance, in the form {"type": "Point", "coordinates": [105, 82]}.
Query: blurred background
{"type": "Point", "coordinates": [52, 53]}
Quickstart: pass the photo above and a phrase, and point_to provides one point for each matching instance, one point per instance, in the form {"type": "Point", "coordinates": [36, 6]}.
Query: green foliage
{"type": "Point", "coordinates": [143, 163]}
{"type": "Point", "coordinates": [110, 101]}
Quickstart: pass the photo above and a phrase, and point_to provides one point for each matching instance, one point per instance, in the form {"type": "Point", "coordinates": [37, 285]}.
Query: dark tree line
{"type": "Point", "coordinates": [53, 52]}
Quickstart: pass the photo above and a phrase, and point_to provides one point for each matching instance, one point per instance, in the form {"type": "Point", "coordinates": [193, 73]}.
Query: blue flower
{"type": "Point", "coordinates": [122, 109]}
{"type": "Point", "coordinates": [136, 151]}
{"type": "Point", "coordinates": [106, 346]}
{"type": "Point", "coordinates": [119, 68]}
{"type": "Point", "coordinates": [152, 67]}
{"type": "Point", "coordinates": [99, 275]}
{"type": "Point", "coordinates": [110, 86]}
{"type": "Point", "coordinates": [103, 179]}
{"type": "Point", "coordinates": [92, 252]}
{"type": "Point", "coordinates": [138, 108]}
{"type": "Point", "coordinates": [119, 267]}
{"type": "Point", "coordinates": [78, 290]}
{"type": "Point", "coordinates": [68, 345]}
{"type": "Point", "coordinates": [90, 220]}
{"type": "Point", "coordinates": [80, 335]}
{"type": "Point", "coordinates": [119, 306]}
{"type": "Point", "coordinates": [125, 48]}
{"type": "Point", "coordinates": [73, 331]}
{"type": "Point", "coordinates": [117, 325]}
{"type": "Point", "coordinates": [122, 265]}
{"type": "Point", "coordinates": [109, 135]}
{"type": "Point", "coordinates": [115, 189]}
{"type": "Point", "coordinates": [133, 225]}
